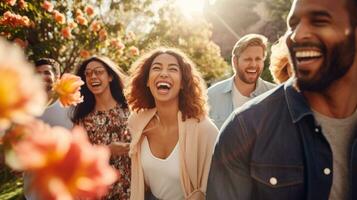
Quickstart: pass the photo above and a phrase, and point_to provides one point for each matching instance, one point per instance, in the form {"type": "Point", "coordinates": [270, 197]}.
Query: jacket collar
{"type": "Point", "coordinates": [259, 88]}
{"type": "Point", "coordinates": [297, 104]}
{"type": "Point", "coordinates": [229, 85]}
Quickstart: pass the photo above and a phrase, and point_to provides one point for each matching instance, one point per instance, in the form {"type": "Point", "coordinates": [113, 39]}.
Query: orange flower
{"type": "Point", "coordinates": [62, 164]}
{"type": "Point", "coordinates": [66, 32]}
{"type": "Point", "coordinates": [134, 51]}
{"type": "Point", "coordinates": [10, 2]}
{"type": "Point", "coordinates": [48, 6]}
{"type": "Point", "coordinates": [103, 35]}
{"type": "Point", "coordinates": [14, 20]}
{"type": "Point", "coordinates": [81, 20]}
{"type": "Point", "coordinates": [89, 10]}
{"type": "Point", "coordinates": [84, 54]}
{"type": "Point", "coordinates": [72, 25]}
{"type": "Point", "coordinates": [67, 88]}
{"type": "Point", "coordinates": [35, 145]}
{"type": "Point", "coordinates": [59, 17]}
{"type": "Point", "coordinates": [22, 93]}
{"type": "Point", "coordinates": [21, 43]}
{"type": "Point", "coordinates": [95, 26]}
{"type": "Point", "coordinates": [22, 4]}
{"type": "Point", "coordinates": [79, 12]}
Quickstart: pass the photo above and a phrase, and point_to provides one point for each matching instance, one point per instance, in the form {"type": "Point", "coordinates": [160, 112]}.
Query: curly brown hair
{"type": "Point", "coordinates": [192, 96]}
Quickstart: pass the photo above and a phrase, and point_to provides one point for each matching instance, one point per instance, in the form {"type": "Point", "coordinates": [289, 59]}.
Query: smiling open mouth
{"type": "Point", "coordinates": [163, 86]}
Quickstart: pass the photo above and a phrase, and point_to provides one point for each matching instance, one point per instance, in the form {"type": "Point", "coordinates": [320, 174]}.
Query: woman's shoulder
{"type": "Point", "coordinates": [204, 125]}
{"type": "Point", "coordinates": [139, 117]}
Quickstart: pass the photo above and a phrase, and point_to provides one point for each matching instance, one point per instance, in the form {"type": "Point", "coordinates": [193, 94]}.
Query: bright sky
{"type": "Point", "coordinates": [190, 7]}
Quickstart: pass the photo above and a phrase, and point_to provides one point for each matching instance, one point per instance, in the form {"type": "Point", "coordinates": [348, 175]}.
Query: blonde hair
{"type": "Point", "coordinates": [248, 41]}
{"type": "Point", "coordinates": [280, 66]}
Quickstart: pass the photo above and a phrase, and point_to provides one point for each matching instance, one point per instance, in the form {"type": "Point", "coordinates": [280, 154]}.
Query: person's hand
{"type": "Point", "coordinates": [119, 148]}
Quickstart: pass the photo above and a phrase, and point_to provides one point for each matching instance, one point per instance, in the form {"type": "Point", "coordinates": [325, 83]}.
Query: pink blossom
{"type": "Point", "coordinates": [48, 6]}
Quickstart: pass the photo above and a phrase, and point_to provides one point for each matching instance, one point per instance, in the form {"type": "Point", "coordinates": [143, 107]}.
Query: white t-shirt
{"type": "Point", "coordinates": [162, 175]}
{"type": "Point", "coordinates": [237, 98]}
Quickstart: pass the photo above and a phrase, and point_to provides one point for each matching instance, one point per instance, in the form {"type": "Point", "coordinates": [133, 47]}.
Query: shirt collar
{"type": "Point", "coordinates": [259, 88]}
{"type": "Point", "coordinates": [229, 86]}
{"type": "Point", "coordinates": [297, 104]}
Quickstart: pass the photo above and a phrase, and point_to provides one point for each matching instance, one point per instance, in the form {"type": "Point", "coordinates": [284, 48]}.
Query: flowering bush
{"type": "Point", "coordinates": [63, 29]}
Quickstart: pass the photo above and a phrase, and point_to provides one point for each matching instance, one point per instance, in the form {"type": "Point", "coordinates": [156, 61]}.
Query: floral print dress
{"type": "Point", "coordinates": [104, 127]}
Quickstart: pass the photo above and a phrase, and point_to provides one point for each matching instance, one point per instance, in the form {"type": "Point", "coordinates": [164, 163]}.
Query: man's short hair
{"type": "Point", "coordinates": [49, 61]}
{"type": "Point", "coordinates": [248, 41]}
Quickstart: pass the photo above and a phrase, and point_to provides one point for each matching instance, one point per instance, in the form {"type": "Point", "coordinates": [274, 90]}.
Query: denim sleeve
{"type": "Point", "coordinates": [229, 176]}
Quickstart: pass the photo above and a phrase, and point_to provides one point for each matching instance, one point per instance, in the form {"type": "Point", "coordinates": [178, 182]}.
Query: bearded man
{"type": "Point", "coordinates": [248, 57]}
{"type": "Point", "coordinates": [299, 140]}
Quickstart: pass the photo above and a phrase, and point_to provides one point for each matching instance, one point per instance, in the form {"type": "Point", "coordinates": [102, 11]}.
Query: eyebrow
{"type": "Point", "coordinates": [320, 14]}
{"type": "Point", "coordinates": [95, 68]}
{"type": "Point", "coordinates": [171, 64]}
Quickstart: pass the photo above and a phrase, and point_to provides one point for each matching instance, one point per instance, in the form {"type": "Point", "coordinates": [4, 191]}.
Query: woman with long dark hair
{"type": "Point", "coordinates": [104, 113]}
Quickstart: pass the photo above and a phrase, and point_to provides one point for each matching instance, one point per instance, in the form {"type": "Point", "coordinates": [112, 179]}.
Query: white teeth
{"type": "Point", "coordinates": [251, 70]}
{"type": "Point", "coordinates": [95, 84]}
{"type": "Point", "coordinates": [160, 84]}
{"type": "Point", "coordinates": [307, 54]}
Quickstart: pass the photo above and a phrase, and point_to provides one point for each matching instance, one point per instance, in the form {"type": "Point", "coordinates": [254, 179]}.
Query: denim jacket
{"type": "Point", "coordinates": [271, 148]}
{"type": "Point", "coordinates": [220, 98]}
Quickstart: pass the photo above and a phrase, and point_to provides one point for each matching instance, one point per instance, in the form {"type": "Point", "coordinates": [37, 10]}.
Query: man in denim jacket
{"type": "Point", "coordinates": [298, 141]}
{"type": "Point", "coordinates": [248, 57]}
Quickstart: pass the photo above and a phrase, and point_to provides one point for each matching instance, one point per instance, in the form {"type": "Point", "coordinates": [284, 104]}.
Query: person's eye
{"type": "Point", "coordinates": [155, 68]}
{"type": "Point", "coordinates": [320, 22]}
{"type": "Point", "coordinates": [100, 71]}
{"type": "Point", "coordinates": [174, 69]}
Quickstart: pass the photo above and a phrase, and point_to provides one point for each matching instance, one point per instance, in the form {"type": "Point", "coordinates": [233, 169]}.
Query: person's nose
{"type": "Point", "coordinates": [301, 33]}
{"type": "Point", "coordinates": [164, 73]}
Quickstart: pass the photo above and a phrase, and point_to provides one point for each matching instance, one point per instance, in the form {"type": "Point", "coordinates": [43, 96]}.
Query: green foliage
{"type": "Point", "coordinates": [193, 36]}
{"type": "Point", "coordinates": [11, 184]}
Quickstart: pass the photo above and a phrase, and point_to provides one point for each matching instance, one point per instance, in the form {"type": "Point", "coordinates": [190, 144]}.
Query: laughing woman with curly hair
{"type": "Point", "coordinates": [172, 136]}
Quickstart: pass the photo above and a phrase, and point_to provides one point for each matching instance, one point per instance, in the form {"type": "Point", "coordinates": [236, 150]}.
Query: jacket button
{"type": "Point", "coordinates": [273, 181]}
{"type": "Point", "coordinates": [327, 171]}
{"type": "Point", "coordinates": [316, 130]}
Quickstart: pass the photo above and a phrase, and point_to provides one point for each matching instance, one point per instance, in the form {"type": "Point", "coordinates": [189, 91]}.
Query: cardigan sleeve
{"type": "Point", "coordinates": [207, 133]}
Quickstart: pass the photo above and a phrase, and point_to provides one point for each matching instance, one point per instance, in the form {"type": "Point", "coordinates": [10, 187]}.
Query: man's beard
{"type": "Point", "coordinates": [333, 68]}
{"type": "Point", "coordinates": [243, 77]}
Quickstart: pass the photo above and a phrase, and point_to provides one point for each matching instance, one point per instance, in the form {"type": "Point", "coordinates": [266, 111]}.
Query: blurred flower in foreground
{"type": "Point", "coordinates": [67, 88]}
{"type": "Point", "coordinates": [22, 93]}
{"type": "Point", "coordinates": [62, 164]}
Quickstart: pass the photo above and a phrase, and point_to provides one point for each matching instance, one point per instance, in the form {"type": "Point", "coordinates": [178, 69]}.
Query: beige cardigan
{"type": "Point", "coordinates": [196, 143]}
